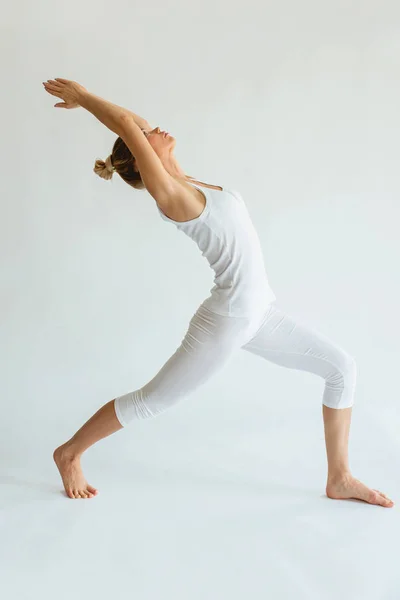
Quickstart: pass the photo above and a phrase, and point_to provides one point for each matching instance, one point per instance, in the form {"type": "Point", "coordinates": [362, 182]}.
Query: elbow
{"type": "Point", "coordinates": [125, 116]}
{"type": "Point", "coordinates": [125, 123]}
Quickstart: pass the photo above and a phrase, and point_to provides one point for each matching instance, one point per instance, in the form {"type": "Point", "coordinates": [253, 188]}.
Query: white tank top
{"type": "Point", "coordinates": [228, 240]}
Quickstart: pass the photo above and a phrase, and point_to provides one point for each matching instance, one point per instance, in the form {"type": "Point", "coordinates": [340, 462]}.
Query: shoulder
{"type": "Point", "coordinates": [237, 195]}
{"type": "Point", "coordinates": [183, 203]}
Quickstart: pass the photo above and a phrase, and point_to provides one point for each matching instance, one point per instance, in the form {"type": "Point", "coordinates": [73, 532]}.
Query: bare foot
{"type": "Point", "coordinates": [70, 469]}
{"type": "Point", "coordinates": [346, 487]}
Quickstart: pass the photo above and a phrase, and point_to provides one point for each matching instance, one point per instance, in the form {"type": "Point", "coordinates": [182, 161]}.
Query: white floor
{"type": "Point", "coordinates": [200, 525]}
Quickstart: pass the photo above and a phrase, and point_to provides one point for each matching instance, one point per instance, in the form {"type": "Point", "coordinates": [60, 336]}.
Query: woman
{"type": "Point", "coordinates": [240, 312]}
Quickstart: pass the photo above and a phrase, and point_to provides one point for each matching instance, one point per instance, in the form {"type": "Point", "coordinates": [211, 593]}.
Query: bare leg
{"type": "Point", "coordinates": [67, 457]}
{"type": "Point", "coordinates": [341, 484]}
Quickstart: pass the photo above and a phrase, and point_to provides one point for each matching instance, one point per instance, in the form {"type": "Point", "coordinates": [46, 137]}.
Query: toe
{"type": "Point", "coordinates": [368, 495]}
{"type": "Point", "coordinates": [384, 495]}
{"type": "Point", "coordinates": [91, 489]}
{"type": "Point", "coordinates": [377, 498]}
{"type": "Point", "coordinates": [363, 492]}
{"type": "Point", "coordinates": [385, 500]}
{"type": "Point", "coordinates": [374, 497]}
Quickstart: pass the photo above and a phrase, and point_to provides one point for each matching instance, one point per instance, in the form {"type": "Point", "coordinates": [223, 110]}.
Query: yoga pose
{"type": "Point", "coordinates": [241, 311]}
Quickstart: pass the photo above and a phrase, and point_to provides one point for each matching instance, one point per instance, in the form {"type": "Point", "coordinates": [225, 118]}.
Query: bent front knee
{"type": "Point", "coordinates": [138, 405]}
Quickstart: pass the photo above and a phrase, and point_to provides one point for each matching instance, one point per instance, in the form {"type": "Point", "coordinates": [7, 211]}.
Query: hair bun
{"type": "Point", "coordinates": [104, 169]}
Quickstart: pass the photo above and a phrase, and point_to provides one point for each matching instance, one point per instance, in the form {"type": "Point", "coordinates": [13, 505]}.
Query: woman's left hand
{"type": "Point", "coordinates": [67, 90]}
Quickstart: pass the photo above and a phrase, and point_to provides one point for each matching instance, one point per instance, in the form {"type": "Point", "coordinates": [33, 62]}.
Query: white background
{"type": "Point", "coordinates": [294, 104]}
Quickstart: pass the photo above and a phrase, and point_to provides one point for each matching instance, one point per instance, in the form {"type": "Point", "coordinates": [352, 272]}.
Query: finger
{"type": "Point", "coordinates": [49, 89]}
{"type": "Point", "coordinates": [52, 93]}
{"type": "Point", "coordinates": [62, 80]}
{"type": "Point", "coordinates": [61, 105]}
{"type": "Point", "coordinates": [52, 83]}
{"type": "Point", "coordinates": [50, 86]}
{"type": "Point", "coordinates": [57, 83]}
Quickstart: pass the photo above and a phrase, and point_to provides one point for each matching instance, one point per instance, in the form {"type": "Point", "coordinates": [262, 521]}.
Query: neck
{"type": "Point", "coordinates": [172, 166]}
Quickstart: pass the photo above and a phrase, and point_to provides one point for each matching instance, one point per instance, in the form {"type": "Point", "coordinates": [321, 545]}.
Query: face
{"type": "Point", "coordinates": [160, 140]}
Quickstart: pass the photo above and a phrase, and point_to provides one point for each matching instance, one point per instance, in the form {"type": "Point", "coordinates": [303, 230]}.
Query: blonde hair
{"type": "Point", "coordinates": [104, 168]}
{"type": "Point", "coordinates": [120, 161]}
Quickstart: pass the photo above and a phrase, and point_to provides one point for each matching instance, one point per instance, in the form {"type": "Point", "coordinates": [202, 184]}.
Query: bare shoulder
{"type": "Point", "coordinates": [183, 203]}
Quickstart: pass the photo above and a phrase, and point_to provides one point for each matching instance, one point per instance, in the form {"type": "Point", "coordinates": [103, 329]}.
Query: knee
{"type": "Point", "coordinates": [346, 371]}
{"type": "Point", "coordinates": [343, 372]}
{"type": "Point", "coordinates": [347, 375]}
{"type": "Point", "coordinates": [137, 405]}
{"type": "Point", "coordinates": [349, 380]}
{"type": "Point", "coordinates": [350, 368]}
{"type": "Point", "coordinates": [341, 382]}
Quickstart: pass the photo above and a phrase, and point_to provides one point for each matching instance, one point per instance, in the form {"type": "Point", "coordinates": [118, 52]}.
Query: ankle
{"type": "Point", "coordinates": [335, 475]}
{"type": "Point", "coordinates": [70, 450]}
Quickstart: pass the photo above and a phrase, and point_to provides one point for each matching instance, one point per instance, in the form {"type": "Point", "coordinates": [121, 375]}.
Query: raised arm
{"type": "Point", "coordinates": [111, 115]}
{"type": "Point", "coordinates": [129, 127]}
{"type": "Point", "coordinates": [75, 95]}
{"type": "Point", "coordinates": [142, 123]}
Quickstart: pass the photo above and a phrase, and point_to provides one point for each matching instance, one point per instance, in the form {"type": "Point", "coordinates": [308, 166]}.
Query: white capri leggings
{"type": "Point", "coordinates": [212, 339]}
